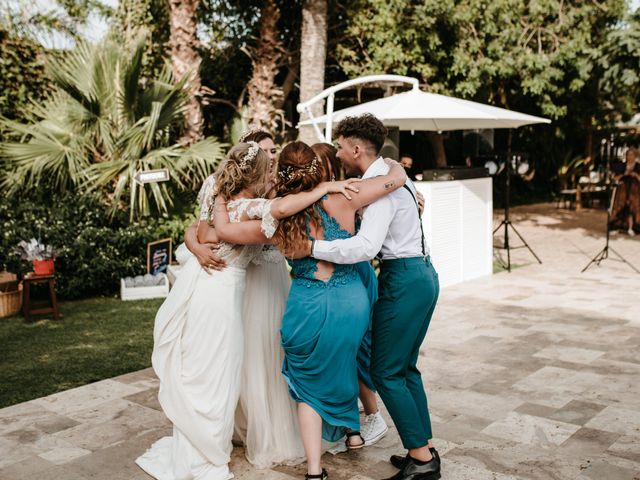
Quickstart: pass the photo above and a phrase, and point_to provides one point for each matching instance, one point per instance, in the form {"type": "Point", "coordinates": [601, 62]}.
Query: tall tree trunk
{"type": "Point", "coordinates": [313, 55]}
{"type": "Point", "coordinates": [264, 94]}
{"type": "Point", "coordinates": [288, 84]}
{"type": "Point", "coordinates": [186, 60]}
{"type": "Point", "coordinates": [588, 143]}
{"type": "Point", "coordinates": [437, 145]}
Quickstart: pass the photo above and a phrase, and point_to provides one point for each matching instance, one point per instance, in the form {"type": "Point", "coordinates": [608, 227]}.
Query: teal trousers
{"type": "Point", "coordinates": [408, 289]}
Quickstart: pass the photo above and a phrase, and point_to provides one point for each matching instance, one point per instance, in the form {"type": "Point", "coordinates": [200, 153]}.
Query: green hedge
{"type": "Point", "coordinates": [94, 252]}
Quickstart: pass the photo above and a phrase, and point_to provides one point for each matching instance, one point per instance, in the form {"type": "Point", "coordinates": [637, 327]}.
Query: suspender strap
{"type": "Point", "coordinates": [424, 252]}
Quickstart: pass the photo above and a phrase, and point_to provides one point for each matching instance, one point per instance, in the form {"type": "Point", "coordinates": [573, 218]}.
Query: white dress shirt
{"type": "Point", "coordinates": [390, 226]}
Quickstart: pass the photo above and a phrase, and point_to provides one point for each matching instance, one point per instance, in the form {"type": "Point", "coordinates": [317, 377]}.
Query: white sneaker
{"type": "Point", "coordinates": [373, 429]}
{"type": "Point", "coordinates": [631, 232]}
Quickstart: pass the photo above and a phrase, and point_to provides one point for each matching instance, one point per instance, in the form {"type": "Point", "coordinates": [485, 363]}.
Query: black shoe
{"type": "Point", "coordinates": [320, 476]}
{"type": "Point", "coordinates": [398, 461]}
{"type": "Point", "coordinates": [416, 470]}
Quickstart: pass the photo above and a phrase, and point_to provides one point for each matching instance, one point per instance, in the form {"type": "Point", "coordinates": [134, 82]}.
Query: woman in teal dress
{"type": "Point", "coordinates": [328, 308]}
{"type": "Point", "coordinates": [374, 427]}
{"type": "Point", "coordinates": [326, 153]}
{"type": "Point", "coordinates": [368, 278]}
{"type": "Point", "coordinates": [322, 328]}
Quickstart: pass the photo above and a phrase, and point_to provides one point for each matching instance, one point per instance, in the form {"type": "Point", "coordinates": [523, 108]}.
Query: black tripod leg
{"type": "Point", "coordinates": [624, 260]}
{"type": "Point", "coordinates": [525, 243]}
{"type": "Point", "coordinates": [506, 245]}
{"type": "Point", "coordinates": [601, 255]}
{"type": "Point", "coordinates": [502, 223]}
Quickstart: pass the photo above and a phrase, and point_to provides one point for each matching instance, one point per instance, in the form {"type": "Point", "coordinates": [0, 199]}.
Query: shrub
{"type": "Point", "coordinates": [94, 252]}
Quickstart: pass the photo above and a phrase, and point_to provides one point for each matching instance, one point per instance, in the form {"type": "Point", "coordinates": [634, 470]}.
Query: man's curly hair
{"type": "Point", "coordinates": [365, 127]}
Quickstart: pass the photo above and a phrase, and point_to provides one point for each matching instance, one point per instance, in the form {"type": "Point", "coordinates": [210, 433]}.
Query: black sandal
{"type": "Point", "coordinates": [320, 476]}
{"type": "Point", "coordinates": [354, 447]}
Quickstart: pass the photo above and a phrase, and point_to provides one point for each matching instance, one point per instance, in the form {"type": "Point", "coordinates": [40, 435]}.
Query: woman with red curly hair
{"type": "Point", "coordinates": [328, 309]}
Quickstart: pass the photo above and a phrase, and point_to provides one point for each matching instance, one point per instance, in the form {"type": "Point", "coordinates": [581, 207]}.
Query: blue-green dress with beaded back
{"type": "Point", "coordinates": [322, 329]}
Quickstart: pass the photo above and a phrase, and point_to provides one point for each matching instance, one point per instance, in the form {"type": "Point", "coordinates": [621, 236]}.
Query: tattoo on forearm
{"type": "Point", "coordinates": [389, 185]}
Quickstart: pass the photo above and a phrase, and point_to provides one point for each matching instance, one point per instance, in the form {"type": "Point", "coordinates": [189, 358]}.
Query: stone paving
{"type": "Point", "coordinates": [530, 375]}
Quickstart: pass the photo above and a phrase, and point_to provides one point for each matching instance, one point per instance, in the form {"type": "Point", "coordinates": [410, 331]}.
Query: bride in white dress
{"type": "Point", "coordinates": [263, 391]}
{"type": "Point", "coordinates": [266, 419]}
{"type": "Point", "coordinates": [198, 334]}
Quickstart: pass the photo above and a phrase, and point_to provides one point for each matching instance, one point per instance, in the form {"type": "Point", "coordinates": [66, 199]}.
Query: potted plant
{"type": "Point", "coordinates": [41, 256]}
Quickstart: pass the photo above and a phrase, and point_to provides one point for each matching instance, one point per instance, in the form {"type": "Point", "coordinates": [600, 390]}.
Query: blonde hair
{"type": "Point", "coordinates": [246, 165]}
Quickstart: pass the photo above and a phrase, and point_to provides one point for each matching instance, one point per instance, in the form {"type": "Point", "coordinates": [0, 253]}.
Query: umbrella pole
{"type": "Point", "coordinates": [505, 221]}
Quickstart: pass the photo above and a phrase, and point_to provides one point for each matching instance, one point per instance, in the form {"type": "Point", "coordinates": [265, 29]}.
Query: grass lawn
{"type": "Point", "coordinates": [95, 339]}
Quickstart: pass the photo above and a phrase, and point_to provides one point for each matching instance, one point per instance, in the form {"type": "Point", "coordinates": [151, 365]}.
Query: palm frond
{"type": "Point", "coordinates": [131, 80]}
{"type": "Point", "coordinates": [74, 74]}
{"type": "Point", "coordinates": [101, 126]}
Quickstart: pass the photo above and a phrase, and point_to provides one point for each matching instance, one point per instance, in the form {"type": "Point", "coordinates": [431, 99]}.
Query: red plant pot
{"type": "Point", "coordinates": [43, 267]}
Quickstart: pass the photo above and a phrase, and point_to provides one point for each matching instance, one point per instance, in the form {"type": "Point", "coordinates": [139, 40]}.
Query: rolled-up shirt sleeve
{"type": "Point", "coordinates": [367, 243]}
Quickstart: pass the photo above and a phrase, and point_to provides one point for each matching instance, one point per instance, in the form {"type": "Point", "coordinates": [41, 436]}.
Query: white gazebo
{"type": "Point", "coordinates": [458, 216]}
{"type": "Point", "coordinates": [418, 110]}
{"type": "Point", "coordinates": [632, 124]}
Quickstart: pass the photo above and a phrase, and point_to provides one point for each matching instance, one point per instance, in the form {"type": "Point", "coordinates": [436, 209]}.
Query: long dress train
{"type": "Point", "coordinates": [266, 420]}
{"type": "Point", "coordinates": [197, 355]}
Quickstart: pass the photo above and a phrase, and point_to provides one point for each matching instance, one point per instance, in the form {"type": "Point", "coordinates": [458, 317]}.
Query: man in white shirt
{"type": "Point", "coordinates": [408, 290]}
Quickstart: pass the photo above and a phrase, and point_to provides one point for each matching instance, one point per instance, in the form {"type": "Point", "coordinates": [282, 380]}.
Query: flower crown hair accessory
{"type": "Point", "coordinates": [289, 173]}
{"type": "Point", "coordinates": [248, 133]}
{"type": "Point", "coordinates": [250, 156]}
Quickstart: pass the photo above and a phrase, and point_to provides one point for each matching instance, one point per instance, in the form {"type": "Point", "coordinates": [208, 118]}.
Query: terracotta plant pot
{"type": "Point", "coordinates": [43, 267]}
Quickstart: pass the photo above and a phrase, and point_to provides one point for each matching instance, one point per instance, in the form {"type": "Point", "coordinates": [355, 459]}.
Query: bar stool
{"type": "Point", "coordinates": [27, 308]}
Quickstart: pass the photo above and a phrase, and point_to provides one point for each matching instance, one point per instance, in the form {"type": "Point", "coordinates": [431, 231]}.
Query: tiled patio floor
{"type": "Point", "coordinates": [530, 375]}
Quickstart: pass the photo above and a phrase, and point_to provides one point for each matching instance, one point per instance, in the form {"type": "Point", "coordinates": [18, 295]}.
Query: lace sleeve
{"type": "Point", "coordinates": [254, 209]}
{"type": "Point", "coordinates": [205, 197]}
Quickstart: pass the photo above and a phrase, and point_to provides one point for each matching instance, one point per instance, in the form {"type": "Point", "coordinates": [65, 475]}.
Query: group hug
{"type": "Point", "coordinates": [248, 353]}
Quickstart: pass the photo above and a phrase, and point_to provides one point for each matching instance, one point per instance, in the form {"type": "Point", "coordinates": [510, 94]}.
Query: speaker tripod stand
{"type": "Point", "coordinates": [604, 253]}
{"type": "Point", "coordinates": [506, 222]}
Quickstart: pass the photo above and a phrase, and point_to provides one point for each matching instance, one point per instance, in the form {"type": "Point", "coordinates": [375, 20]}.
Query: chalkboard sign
{"type": "Point", "coordinates": [158, 256]}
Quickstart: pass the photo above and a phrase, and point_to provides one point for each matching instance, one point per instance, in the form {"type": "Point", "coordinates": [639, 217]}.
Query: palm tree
{"type": "Point", "coordinates": [186, 60]}
{"type": "Point", "coordinates": [313, 48]}
{"type": "Point", "coordinates": [263, 92]}
{"type": "Point", "coordinates": [101, 126]}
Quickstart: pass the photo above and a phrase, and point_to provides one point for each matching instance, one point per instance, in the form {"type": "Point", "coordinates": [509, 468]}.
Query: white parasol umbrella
{"type": "Point", "coordinates": [633, 124]}
{"type": "Point", "coordinates": [418, 110]}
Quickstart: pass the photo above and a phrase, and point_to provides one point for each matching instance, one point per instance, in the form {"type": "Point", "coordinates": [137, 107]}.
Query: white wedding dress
{"type": "Point", "coordinates": [198, 355]}
{"type": "Point", "coordinates": [266, 419]}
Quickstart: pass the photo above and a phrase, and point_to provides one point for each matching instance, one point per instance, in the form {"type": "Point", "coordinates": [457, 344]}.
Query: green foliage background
{"type": "Point", "coordinates": [22, 74]}
{"type": "Point", "coordinates": [93, 251]}
{"type": "Point", "coordinates": [576, 62]}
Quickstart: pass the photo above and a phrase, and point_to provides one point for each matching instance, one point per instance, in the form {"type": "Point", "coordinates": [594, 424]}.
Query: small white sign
{"type": "Point", "coordinates": [151, 176]}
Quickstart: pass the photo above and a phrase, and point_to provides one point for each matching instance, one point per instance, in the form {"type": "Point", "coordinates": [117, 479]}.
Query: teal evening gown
{"type": "Point", "coordinates": [368, 277]}
{"type": "Point", "coordinates": [322, 329]}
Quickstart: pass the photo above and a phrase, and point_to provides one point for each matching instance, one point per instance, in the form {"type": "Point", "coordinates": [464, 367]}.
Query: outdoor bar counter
{"type": "Point", "coordinates": [458, 226]}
